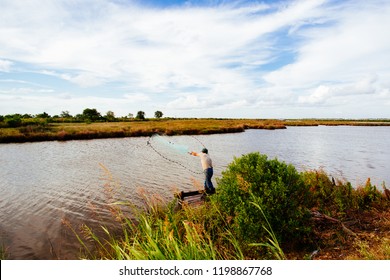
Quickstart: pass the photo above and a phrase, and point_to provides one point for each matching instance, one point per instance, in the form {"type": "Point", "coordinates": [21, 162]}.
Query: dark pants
{"type": "Point", "coordinates": [208, 185]}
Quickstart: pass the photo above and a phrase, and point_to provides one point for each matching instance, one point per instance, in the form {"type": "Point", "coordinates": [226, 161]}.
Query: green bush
{"type": "Point", "coordinates": [368, 196]}
{"type": "Point", "coordinates": [277, 188]}
{"type": "Point", "coordinates": [13, 121]}
{"type": "Point", "coordinates": [326, 195]}
{"type": "Point", "coordinates": [336, 198]}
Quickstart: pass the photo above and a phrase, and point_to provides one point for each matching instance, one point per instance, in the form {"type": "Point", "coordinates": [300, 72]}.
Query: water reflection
{"type": "Point", "coordinates": [44, 184]}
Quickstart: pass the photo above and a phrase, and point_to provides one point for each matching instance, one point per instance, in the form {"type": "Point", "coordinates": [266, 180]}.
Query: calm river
{"type": "Point", "coordinates": [42, 184]}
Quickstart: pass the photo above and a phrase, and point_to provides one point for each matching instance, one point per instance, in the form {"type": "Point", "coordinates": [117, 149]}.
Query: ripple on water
{"type": "Point", "coordinates": [41, 184]}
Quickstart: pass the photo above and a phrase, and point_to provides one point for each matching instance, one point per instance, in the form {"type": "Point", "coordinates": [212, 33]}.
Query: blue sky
{"type": "Point", "coordinates": [228, 59]}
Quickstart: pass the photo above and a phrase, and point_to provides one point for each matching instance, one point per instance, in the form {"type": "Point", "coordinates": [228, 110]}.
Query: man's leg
{"type": "Point", "coordinates": [208, 184]}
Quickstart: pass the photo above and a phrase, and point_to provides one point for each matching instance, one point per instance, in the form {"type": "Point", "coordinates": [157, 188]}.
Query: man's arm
{"type": "Point", "coordinates": [194, 154]}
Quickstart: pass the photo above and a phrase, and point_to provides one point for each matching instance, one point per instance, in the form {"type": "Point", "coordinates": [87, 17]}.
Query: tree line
{"type": "Point", "coordinates": [89, 115]}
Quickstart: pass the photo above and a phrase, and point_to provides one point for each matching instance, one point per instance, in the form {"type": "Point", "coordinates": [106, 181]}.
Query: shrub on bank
{"type": "Point", "coordinates": [369, 196]}
{"type": "Point", "coordinates": [326, 195]}
{"type": "Point", "coordinates": [336, 198]}
{"type": "Point", "coordinates": [277, 188]}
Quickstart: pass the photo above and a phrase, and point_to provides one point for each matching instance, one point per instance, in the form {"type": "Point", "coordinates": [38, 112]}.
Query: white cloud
{"type": "Point", "coordinates": [5, 65]}
{"type": "Point", "coordinates": [33, 103]}
{"type": "Point", "coordinates": [150, 45]}
{"type": "Point", "coordinates": [320, 95]}
{"type": "Point", "coordinates": [203, 58]}
{"type": "Point", "coordinates": [187, 102]}
{"type": "Point", "coordinates": [136, 97]}
{"type": "Point", "coordinates": [354, 45]}
{"type": "Point", "coordinates": [25, 90]}
{"type": "Point", "coordinates": [346, 92]}
{"type": "Point", "coordinates": [86, 80]}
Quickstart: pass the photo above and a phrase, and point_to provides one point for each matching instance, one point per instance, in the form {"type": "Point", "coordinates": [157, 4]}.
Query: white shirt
{"type": "Point", "coordinates": [205, 161]}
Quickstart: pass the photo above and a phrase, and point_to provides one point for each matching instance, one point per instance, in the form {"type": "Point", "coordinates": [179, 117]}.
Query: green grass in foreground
{"type": "Point", "coordinates": [163, 234]}
{"type": "Point", "coordinates": [168, 234]}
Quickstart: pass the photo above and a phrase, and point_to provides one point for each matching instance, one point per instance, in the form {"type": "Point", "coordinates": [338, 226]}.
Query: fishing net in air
{"type": "Point", "coordinates": [176, 151]}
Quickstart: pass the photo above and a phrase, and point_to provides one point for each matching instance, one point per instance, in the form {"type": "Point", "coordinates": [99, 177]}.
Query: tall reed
{"type": "Point", "coordinates": [273, 243]}
{"type": "Point", "coordinates": [159, 231]}
{"type": "Point", "coordinates": [165, 233]}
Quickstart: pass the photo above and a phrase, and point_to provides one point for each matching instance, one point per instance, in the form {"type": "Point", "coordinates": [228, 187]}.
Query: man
{"type": "Point", "coordinates": [207, 166]}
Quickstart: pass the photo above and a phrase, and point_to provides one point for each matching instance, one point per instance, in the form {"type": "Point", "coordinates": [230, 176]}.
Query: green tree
{"type": "Point", "coordinates": [44, 115]}
{"type": "Point", "coordinates": [91, 114]}
{"type": "Point", "coordinates": [158, 114]}
{"type": "Point", "coordinates": [14, 120]}
{"type": "Point", "coordinates": [110, 116]}
{"type": "Point", "coordinates": [140, 115]}
{"type": "Point", "coordinates": [65, 114]}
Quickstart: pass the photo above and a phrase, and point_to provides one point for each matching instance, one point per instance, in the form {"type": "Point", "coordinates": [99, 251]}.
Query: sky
{"type": "Point", "coordinates": [209, 58]}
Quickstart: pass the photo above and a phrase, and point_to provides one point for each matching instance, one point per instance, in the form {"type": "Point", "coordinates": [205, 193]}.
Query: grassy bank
{"type": "Point", "coordinates": [78, 131]}
{"type": "Point", "coordinates": [44, 131]}
{"type": "Point", "coordinates": [263, 209]}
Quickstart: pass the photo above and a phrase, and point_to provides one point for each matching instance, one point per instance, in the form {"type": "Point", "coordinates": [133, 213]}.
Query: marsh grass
{"type": "Point", "coordinates": [169, 237]}
{"type": "Point", "coordinates": [63, 131]}
{"type": "Point", "coordinates": [78, 131]}
{"type": "Point", "coordinates": [372, 250]}
{"type": "Point", "coordinates": [157, 231]}
{"type": "Point", "coordinates": [162, 233]}
{"type": "Point", "coordinates": [337, 197]}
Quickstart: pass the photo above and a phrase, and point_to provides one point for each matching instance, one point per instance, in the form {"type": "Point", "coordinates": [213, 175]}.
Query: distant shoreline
{"type": "Point", "coordinates": [64, 131]}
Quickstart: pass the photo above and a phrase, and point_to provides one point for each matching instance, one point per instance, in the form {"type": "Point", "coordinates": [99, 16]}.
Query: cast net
{"type": "Point", "coordinates": [177, 152]}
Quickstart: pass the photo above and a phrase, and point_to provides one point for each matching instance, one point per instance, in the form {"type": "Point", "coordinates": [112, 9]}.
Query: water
{"type": "Point", "coordinates": [44, 184]}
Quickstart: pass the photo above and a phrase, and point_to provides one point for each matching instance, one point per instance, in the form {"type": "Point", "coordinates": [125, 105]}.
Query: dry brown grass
{"type": "Point", "coordinates": [69, 131]}
{"type": "Point", "coordinates": [76, 131]}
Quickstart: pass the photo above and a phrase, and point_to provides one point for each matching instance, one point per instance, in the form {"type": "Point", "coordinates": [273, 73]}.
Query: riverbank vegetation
{"type": "Point", "coordinates": [263, 209]}
{"type": "Point", "coordinates": [79, 131]}
{"type": "Point", "coordinates": [92, 125]}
